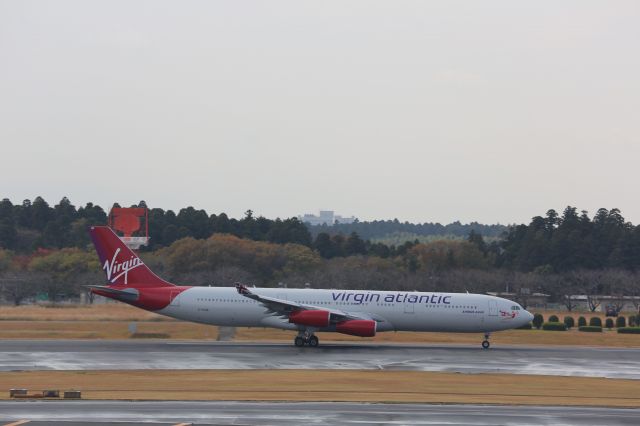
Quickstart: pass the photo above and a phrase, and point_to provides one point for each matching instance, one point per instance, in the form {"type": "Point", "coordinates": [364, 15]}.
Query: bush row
{"type": "Point", "coordinates": [629, 330]}
{"type": "Point", "coordinates": [554, 326]}
{"type": "Point", "coordinates": [568, 322]}
{"type": "Point", "coordinates": [590, 328]}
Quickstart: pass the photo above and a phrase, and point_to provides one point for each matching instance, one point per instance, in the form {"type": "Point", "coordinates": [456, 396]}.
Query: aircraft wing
{"type": "Point", "coordinates": [284, 308]}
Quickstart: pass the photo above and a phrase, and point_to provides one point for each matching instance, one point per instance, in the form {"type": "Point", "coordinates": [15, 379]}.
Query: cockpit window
{"type": "Point", "coordinates": [515, 308]}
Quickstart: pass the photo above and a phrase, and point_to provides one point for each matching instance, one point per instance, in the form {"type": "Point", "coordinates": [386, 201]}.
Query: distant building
{"type": "Point", "coordinates": [327, 217]}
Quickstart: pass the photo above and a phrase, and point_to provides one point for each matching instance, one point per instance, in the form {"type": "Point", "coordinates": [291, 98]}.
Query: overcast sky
{"type": "Point", "coordinates": [492, 111]}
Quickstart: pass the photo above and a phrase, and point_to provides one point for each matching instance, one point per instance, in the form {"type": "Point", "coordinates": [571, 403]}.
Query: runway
{"type": "Point", "coordinates": [243, 413]}
{"type": "Point", "coordinates": [17, 355]}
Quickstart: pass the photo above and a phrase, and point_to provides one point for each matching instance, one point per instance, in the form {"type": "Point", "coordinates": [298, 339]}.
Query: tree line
{"type": "Point", "coordinates": [571, 241]}
{"type": "Point", "coordinates": [387, 229]}
{"type": "Point", "coordinates": [48, 252]}
{"type": "Point", "coordinates": [29, 226]}
{"type": "Point", "coordinates": [223, 259]}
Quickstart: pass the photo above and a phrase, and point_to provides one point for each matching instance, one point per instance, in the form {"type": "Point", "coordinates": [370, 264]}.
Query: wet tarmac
{"type": "Point", "coordinates": [269, 413]}
{"type": "Point", "coordinates": [17, 355]}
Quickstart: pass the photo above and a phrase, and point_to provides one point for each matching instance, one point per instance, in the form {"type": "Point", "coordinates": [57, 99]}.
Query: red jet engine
{"type": "Point", "coordinates": [312, 318]}
{"type": "Point", "coordinates": [362, 328]}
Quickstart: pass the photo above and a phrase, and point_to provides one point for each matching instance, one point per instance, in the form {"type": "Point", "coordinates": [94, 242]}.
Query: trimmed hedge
{"type": "Point", "coordinates": [538, 319]}
{"type": "Point", "coordinates": [629, 330]}
{"type": "Point", "coordinates": [590, 328]}
{"type": "Point", "coordinates": [569, 322]}
{"type": "Point", "coordinates": [582, 322]}
{"type": "Point", "coordinates": [554, 326]}
{"type": "Point", "coordinates": [527, 326]}
{"type": "Point", "coordinates": [595, 322]}
{"type": "Point", "coordinates": [608, 323]}
{"type": "Point", "coordinates": [621, 322]}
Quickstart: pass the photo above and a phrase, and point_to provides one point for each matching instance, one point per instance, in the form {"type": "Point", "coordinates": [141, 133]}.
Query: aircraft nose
{"type": "Point", "coordinates": [529, 316]}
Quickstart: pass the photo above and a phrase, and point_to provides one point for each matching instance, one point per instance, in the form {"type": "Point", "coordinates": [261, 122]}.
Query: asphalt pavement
{"type": "Point", "coordinates": [97, 413]}
{"type": "Point", "coordinates": [17, 355]}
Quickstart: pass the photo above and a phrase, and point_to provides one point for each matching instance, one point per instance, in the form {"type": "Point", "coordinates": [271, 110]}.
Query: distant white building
{"type": "Point", "coordinates": [325, 217]}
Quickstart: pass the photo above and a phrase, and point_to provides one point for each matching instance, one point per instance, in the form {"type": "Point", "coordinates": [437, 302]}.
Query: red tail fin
{"type": "Point", "coordinates": [122, 266]}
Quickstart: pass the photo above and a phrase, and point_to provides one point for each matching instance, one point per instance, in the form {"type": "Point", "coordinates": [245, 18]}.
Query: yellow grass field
{"type": "Point", "coordinates": [101, 312]}
{"type": "Point", "coordinates": [110, 321]}
{"type": "Point", "coordinates": [331, 385]}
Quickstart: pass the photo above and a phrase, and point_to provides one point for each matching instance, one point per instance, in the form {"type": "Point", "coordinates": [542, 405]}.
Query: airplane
{"type": "Point", "coordinates": [361, 313]}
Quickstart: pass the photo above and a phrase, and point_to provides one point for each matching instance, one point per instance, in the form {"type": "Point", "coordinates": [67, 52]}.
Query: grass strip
{"type": "Point", "coordinates": [332, 385]}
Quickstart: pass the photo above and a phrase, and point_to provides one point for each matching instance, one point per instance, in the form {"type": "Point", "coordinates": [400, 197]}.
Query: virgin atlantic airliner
{"type": "Point", "coordinates": [307, 311]}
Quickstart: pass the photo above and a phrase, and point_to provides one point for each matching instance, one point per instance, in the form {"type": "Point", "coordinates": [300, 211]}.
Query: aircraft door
{"type": "Point", "coordinates": [409, 308]}
{"type": "Point", "coordinates": [493, 308]}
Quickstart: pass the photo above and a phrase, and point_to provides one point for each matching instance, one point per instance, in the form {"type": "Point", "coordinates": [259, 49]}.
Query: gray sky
{"type": "Point", "coordinates": [426, 111]}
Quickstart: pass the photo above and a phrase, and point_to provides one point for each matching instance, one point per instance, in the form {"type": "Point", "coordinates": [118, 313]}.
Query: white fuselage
{"type": "Point", "coordinates": [393, 310]}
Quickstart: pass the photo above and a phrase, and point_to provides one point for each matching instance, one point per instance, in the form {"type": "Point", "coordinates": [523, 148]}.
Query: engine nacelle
{"type": "Point", "coordinates": [312, 318]}
{"type": "Point", "coordinates": [362, 328]}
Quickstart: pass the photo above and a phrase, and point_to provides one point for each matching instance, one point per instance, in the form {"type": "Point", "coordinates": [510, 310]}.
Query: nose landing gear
{"type": "Point", "coordinates": [485, 342]}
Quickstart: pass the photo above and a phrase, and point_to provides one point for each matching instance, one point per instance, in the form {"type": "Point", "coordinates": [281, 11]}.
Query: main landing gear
{"type": "Point", "coordinates": [485, 342]}
{"type": "Point", "coordinates": [306, 339]}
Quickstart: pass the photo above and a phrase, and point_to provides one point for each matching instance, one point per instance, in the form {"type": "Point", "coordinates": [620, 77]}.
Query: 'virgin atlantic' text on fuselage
{"type": "Point", "coordinates": [400, 297]}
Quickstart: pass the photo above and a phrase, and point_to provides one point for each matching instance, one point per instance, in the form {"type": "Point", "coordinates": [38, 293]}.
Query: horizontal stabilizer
{"type": "Point", "coordinates": [126, 294]}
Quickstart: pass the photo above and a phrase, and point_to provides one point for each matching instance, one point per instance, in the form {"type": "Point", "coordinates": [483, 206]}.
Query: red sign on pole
{"type": "Point", "coordinates": [126, 220]}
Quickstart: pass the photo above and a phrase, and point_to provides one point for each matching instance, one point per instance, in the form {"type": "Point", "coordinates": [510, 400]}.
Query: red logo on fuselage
{"type": "Point", "coordinates": [506, 314]}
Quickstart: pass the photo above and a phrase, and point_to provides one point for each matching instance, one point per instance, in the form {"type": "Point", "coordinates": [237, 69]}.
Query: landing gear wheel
{"type": "Point", "coordinates": [485, 344]}
{"type": "Point", "coordinates": [299, 341]}
{"type": "Point", "coordinates": [313, 341]}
